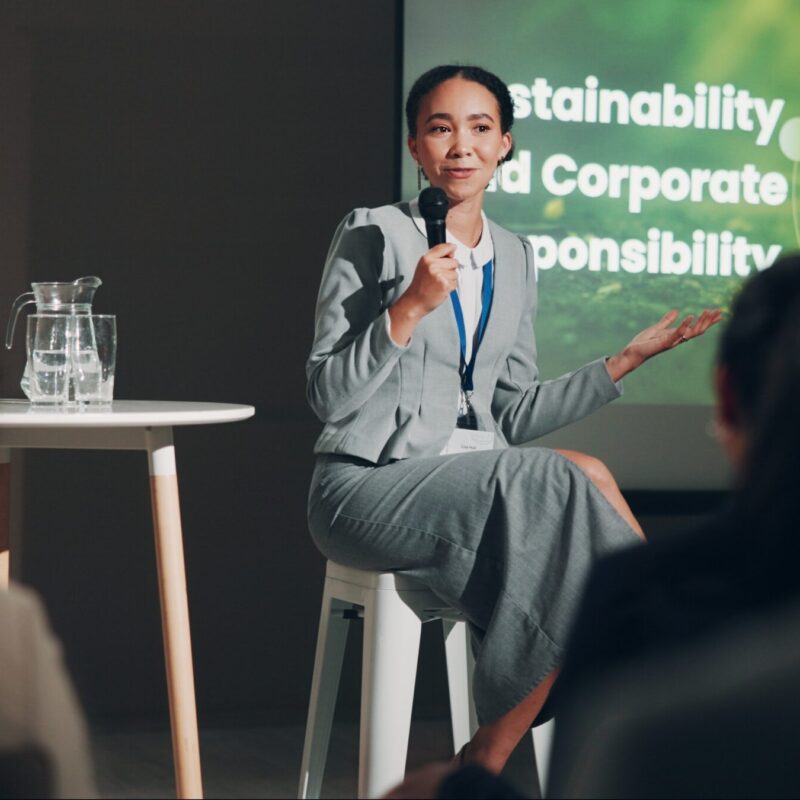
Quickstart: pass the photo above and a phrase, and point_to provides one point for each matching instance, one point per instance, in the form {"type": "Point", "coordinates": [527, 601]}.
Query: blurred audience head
{"type": "Point", "coordinates": [758, 389]}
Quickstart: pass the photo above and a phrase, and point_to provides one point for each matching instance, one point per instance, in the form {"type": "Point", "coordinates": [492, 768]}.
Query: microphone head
{"type": "Point", "coordinates": [433, 203]}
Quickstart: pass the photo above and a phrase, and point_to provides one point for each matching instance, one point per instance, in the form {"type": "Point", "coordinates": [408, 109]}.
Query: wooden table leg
{"type": "Point", "coordinates": [174, 612]}
{"type": "Point", "coordinates": [5, 516]}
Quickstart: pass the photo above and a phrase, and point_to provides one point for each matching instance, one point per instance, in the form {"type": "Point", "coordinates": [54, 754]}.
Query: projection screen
{"type": "Point", "coordinates": [655, 167]}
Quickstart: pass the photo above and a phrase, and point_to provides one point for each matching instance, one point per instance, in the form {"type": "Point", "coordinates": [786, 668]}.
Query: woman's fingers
{"type": "Point", "coordinates": [690, 328]}
{"type": "Point", "coordinates": [438, 262]}
{"type": "Point", "coordinates": [661, 336]}
{"type": "Point", "coordinates": [684, 329]}
{"type": "Point", "coordinates": [434, 278]}
{"type": "Point", "coordinates": [438, 276]}
{"type": "Point", "coordinates": [667, 319]}
{"type": "Point", "coordinates": [446, 269]}
{"type": "Point", "coordinates": [706, 319]}
{"type": "Point", "coordinates": [443, 250]}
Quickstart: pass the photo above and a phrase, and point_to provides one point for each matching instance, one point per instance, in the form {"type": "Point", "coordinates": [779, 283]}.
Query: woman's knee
{"type": "Point", "coordinates": [600, 475]}
{"type": "Point", "coordinates": [597, 472]}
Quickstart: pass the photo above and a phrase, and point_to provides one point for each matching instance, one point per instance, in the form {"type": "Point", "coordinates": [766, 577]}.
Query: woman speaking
{"type": "Point", "coordinates": [423, 371]}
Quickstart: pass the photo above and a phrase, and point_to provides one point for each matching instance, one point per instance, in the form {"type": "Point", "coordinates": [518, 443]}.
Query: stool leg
{"type": "Point", "coordinates": [542, 743]}
{"type": "Point", "coordinates": [459, 682]}
{"type": "Point", "coordinates": [389, 672]}
{"type": "Point", "coordinates": [331, 641]}
{"type": "Point", "coordinates": [5, 516]}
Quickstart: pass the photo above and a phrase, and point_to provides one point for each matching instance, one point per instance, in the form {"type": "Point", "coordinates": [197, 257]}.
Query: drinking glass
{"type": "Point", "coordinates": [47, 350]}
{"type": "Point", "coordinates": [93, 357]}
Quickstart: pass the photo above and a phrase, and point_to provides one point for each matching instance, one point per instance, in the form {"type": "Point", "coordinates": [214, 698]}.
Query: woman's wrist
{"type": "Point", "coordinates": [622, 364]}
{"type": "Point", "coordinates": [404, 315]}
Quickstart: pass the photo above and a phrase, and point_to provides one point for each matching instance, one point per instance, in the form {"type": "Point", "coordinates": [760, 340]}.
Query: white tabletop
{"type": "Point", "coordinates": [121, 414]}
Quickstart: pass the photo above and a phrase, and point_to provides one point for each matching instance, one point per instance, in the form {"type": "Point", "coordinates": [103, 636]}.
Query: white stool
{"type": "Point", "coordinates": [393, 608]}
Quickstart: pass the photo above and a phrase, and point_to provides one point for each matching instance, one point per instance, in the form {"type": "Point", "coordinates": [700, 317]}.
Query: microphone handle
{"type": "Point", "coordinates": [435, 230]}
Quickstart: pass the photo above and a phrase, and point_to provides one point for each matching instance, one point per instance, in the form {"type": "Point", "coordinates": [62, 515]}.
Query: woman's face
{"type": "Point", "coordinates": [459, 140]}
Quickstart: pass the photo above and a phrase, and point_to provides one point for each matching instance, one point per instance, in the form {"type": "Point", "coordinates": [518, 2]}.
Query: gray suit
{"type": "Point", "coordinates": [506, 535]}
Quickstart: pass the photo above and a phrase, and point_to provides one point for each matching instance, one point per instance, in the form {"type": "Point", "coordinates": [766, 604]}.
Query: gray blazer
{"type": "Point", "coordinates": [380, 401]}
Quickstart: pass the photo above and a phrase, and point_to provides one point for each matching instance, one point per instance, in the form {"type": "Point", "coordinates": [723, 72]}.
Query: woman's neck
{"type": "Point", "coordinates": [464, 220]}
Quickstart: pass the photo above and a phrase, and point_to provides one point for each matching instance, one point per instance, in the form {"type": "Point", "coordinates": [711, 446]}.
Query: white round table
{"type": "Point", "coordinates": [133, 425]}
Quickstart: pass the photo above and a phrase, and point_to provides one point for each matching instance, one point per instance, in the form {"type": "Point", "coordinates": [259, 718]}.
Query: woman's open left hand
{"type": "Point", "coordinates": [660, 337]}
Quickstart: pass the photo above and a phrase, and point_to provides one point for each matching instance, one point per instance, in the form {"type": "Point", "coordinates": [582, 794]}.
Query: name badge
{"type": "Point", "coordinates": [463, 440]}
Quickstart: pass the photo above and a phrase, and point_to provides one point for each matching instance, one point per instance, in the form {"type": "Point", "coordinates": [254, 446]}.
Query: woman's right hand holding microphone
{"type": "Point", "coordinates": [434, 278]}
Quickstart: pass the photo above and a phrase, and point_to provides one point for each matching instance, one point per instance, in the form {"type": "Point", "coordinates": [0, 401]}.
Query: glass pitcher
{"type": "Point", "coordinates": [53, 298]}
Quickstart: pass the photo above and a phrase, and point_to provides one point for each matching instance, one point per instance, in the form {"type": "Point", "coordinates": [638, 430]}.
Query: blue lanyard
{"type": "Point", "coordinates": [465, 369]}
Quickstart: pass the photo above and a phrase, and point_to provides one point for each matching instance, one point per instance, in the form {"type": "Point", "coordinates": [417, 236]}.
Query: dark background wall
{"type": "Point", "coordinates": [197, 157]}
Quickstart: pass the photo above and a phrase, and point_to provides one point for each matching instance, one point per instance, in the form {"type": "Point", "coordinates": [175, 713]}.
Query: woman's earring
{"type": "Point", "coordinates": [498, 174]}
{"type": "Point", "coordinates": [419, 177]}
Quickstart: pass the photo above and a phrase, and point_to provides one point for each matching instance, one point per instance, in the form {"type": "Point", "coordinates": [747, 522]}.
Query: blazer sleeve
{"type": "Point", "coordinates": [352, 353]}
{"type": "Point", "coordinates": [527, 408]}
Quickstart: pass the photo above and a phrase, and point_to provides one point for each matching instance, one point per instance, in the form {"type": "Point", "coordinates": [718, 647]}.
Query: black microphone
{"type": "Point", "coordinates": [433, 207]}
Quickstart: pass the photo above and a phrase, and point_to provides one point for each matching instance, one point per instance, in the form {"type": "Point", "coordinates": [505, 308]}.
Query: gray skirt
{"type": "Point", "coordinates": [505, 536]}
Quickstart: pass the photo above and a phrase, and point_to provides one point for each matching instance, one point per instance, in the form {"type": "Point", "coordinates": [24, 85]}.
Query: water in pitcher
{"type": "Point", "coordinates": [49, 376]}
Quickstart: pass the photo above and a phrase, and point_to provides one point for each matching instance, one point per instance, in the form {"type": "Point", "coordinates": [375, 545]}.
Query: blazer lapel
{"type": "Point", "coordinates": [502, 320]}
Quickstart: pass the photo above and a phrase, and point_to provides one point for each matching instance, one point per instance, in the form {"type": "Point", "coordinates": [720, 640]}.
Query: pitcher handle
{"type": "Point", "coordinates": [15, 309]}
